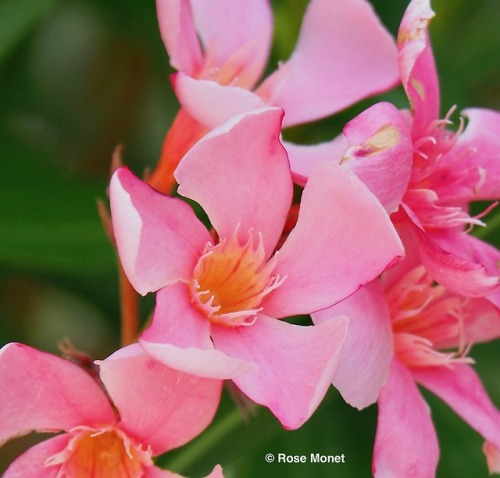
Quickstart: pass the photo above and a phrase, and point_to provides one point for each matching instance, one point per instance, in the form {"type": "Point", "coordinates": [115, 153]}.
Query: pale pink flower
{"type": "Point", "coordinates": [404, 330]}
{"type": "Point", "coordinates": [145, 410]}
{"type": "Point", "coordinates": [411, 160]}
{"type": "Point", "coordinates": [220, 48]}
{"type": "Point", "coordinates": [219, 294]}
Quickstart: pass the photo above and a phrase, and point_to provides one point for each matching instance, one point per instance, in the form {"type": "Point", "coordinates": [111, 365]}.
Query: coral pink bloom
{"type": "Point", "coordinates": [406, 329]}
{"type": "Point", "coordinates": [221, 47]}
{"type": "Point", "coordinates": [145, 410]}
{"type": "Point", "coordinates": [218, 299]}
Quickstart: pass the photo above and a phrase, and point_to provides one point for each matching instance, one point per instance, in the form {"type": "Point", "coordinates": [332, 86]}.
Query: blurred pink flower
{"type": "Point", "coordinates": [217, 300]}
{"type": "Point", "coordinates": [145, 410]}
{"type": "Point", "coordinates": [220, 48]}
{"type": "Point", "coordinates": [406, 329]}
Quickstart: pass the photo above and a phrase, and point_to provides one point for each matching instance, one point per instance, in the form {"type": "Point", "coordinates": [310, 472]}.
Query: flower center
{"type": "Point", "coordinates": [104, 453]}
{"type": "Point", "coordinates": [425, 319]}
{"type": "Point", "coordinates": [230, 280]}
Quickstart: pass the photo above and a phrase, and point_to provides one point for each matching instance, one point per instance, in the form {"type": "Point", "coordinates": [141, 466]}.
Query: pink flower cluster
{"type": "Point", "coordinates": [380, 253]}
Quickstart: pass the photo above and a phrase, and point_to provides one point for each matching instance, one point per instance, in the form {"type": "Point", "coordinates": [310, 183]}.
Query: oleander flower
{"type": "Point", "coordinates": [111, 429]}
{"type": "Point", "coordinates": [220, 48]}
{"type": "Point", "coordinates": [220, 293]}
{"type": "Point", "coordinates": [411, 161]}
{"type": "Point", "coordinates": [406, 330]}
{"type": "Point", "coordinates": [450, 170]}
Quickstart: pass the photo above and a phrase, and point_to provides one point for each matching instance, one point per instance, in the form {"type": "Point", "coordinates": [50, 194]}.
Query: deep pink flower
{"type": "Point", "coordinates": [405, 330]}
{"type": "Point", "coordinates": [220, 48]}
{"type": "Point", "coordinates": [412, 160]}
{"type": "Point", "coordinates": [450, 169]}
{"type": "Point", "coordinates": [145, 410]}
{"type": "Point", "coordinates": [219, 295]}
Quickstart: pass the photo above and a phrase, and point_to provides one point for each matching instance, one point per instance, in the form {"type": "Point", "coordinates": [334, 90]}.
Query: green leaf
{"type": "Point", "coordinates": [48, 222]}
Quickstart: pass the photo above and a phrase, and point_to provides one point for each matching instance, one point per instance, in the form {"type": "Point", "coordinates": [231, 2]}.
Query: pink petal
{"type": "Point", "coordinates": [31, 464]}
{"type": "Point", "coordinates": [179, 35]}
{"type": "Point", "coordinates": [180, 338]}
{"type": "Point", "coordinates": [343, 239]}
{"type": "Point", "coordinates": [406, 444]}
{"type": "Point", "coordinates": [212, 104]}
{"type": "Point", "coordinates": [479, 146]}
{"type": "Point", "coordinates": [380, 153]}
{"type": "Point", "coordinates": [446, 257]}
{"type": "Point", "coordinates": [343, 54]}
{"type": "Point", "coordinates": [479, 322]}
{"type": "Point", "coordinates": [295, 364]}
{"type": "Point", "coordinates": [492, 457]}
{"type": "Point", "coordinates": [179, 406]}
{"type": "Point", "coordinates": [367, 353]}
{"type": "Point", "coordinates": [240, 175]}
{"type": "Point", "coordinates": [236, 36]}
{"type": "Point", "coordinates": [159, 238]}
{"type": "Point", "coordinates": [46, 393]}
{"type": "Point", "coordinates": [460, 387]}
{"type": "Point", "coordinates": [154, 472]}
{"type": "Point", "coordinates": [216, 472]}
{"type": "Point", "coordinates": [303, 158]}
{"type": "Point", "coordinates": [416, 64]}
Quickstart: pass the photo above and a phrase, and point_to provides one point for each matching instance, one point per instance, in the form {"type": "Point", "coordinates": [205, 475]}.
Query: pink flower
{"type": "Point", "coordinates": [413, 161]}
{"type": "Point", "coordinates": [219, 294]}
{"type": "Point", "coordinates": [220, 48]}
{"type": "Point", "coordinates": [450, 169]}
{"type": "Point", "coordinates": [145, 410]}
{"type": "Point", "coordinates": [405, 330]}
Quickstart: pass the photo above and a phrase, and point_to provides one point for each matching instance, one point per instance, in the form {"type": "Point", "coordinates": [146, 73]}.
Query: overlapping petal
{"type": "Point", "coordinates": [212, 104]}
{"type": "Point", "coordinates": [303, 158]}
{"type": "Point", "coordinates": [343, 239]}
{"type": "Point", "coordinates": [368, 350]}
{"type": "Point", "coordinates": [236, 37]}
{"type": "Point", "coordinates": [380, 152]}
{"type": "Point", "coordinates": [179, 35]}
{"type": "Point", "coordinates": [183, 404]}
{"type": "Point", "coordinates": [180, 338]}
{"type": "Point", "coordinates": [478, 147]}
{"type": "Point", "coordinates": [240, 175]}
{"type": "Point", "coordinates": [343, 54]}
{"type": "Point", "coordinates": [406, 444]}
{"type": "Point", "coordinates": [417, 67]}
{"type": "Point", "coordinates": [159, 238]}
{"type": "Point", "coordinates": [32, 462]}
{"type": "Point", "coordinates": [43, 392]}
{"type": "Point", "coordinates": [445, 262]}
{"type": "Point", "coordinates": [295, 364]}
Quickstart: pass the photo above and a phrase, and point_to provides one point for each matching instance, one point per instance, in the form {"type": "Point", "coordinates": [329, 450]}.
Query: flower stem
{"type": "Point", "coordinates": [129, 309]}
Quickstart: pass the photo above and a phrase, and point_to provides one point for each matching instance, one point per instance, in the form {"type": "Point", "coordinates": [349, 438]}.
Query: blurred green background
{"type": "Point", "coordinates": [79, 77]}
